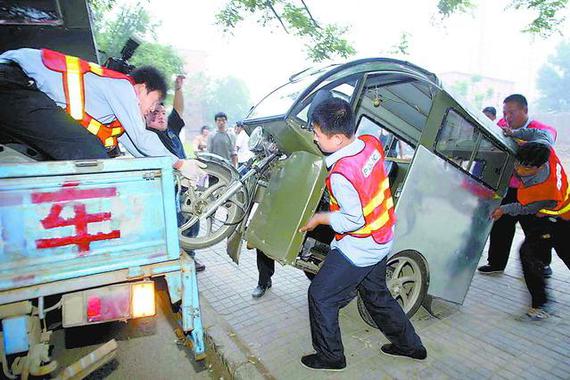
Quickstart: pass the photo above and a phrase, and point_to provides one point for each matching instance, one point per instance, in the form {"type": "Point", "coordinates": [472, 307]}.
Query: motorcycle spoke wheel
{"type": "Point", "coordinates": [195, 202]}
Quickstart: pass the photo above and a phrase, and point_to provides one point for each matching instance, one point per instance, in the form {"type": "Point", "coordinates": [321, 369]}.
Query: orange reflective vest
{"type": "Point", "coordinates": [365, 171]}
{"type": "Point", "coordinates": [555, 188]}
{"type": "Point", "coordinates": [73, 69]}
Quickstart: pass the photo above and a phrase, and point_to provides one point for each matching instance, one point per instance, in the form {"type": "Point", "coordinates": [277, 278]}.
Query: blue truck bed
{"type": "Point", "coordinates": [63, 220]}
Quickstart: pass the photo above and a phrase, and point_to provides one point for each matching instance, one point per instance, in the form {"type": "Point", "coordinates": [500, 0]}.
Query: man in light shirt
{"type": "Point", "coordinates": [362, 216]}
{"type": "Point", "coordinates": [71, 109]}
{"type": "Point", "coordinates": [242, 147]}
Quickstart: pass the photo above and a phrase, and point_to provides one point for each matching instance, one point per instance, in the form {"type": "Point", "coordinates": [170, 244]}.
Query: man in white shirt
{"type": "Point", "coordinates": [242, 148]}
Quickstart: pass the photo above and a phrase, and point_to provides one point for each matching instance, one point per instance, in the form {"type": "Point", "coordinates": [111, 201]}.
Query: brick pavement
{"type": "Point", "coordinates": [481, 339]}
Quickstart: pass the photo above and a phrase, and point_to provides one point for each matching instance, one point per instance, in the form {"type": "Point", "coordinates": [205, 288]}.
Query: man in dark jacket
{"type": "Point", "coordinates": [168, 131]}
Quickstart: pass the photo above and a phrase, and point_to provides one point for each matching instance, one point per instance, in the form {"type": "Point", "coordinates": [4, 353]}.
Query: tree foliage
{"type": "Point", "coordinates": [113, 30]}
{"type": "Point", "coordinates": [554, 81]}
{"type": "Point", "coordinates": [325, 41]}
{"type": "Point", "coordinates": [547, 20]}
{"type": "Point", "coordinates": [547, 13]}
{"type": "Point", "coordinates": [322, 41]}
{"type": "Point", "coordinates": [446, 8]}
{"type": "Point", "coordinates": [403, 46]}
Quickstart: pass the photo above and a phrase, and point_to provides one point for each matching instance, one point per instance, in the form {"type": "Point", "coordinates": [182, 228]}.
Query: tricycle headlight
{"type": "Point", "coordinates": [255, 139]}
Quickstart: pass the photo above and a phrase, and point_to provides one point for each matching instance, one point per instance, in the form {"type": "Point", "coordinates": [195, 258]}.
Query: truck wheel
{"type": "Point", "coordinates": [407, 278]}
{"type": "Point", "coordinates": [194, 202]}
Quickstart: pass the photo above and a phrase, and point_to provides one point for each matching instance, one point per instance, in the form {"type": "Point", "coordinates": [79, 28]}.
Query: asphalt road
{"type": "Point", "coordinates": [147, 349]}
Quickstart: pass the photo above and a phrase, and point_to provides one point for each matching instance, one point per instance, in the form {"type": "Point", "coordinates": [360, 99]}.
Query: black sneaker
{"type": "Point", "coordinates": [260, 290]}
{"type": "Point", "coordinates": [391, 350]}
{"type": "Point", "coordinates": [547, 271]}
{"type": "Point", "coordinates": [487, 269]}
{"type": "Point", "coordinates": [314, 361]}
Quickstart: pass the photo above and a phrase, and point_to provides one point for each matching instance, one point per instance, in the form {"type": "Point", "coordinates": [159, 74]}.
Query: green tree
{"type": "Point", "coordinates": [554, 81]}
{"type": "Point", "coordinates": [163, 57]}
{"type": "Point", "coordinates": [547, 18]}
{"type": "Point", "coordinates": [322, 41]}
{"type": "Point", "coordinates": [403, 46]}
{"type": "Point", "coordinates": [113, 30]}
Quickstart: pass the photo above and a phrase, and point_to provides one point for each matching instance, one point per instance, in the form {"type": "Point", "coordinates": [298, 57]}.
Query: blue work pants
{"type": "Point", "coordinates": [335, 285]}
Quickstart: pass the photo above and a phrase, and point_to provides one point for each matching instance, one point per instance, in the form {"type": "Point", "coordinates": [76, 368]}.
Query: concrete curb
{"type": "Point", "coordinates": [230, 351]}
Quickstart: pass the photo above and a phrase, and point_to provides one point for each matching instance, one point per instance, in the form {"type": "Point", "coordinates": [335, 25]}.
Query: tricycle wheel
{"type": "Point", "coordinates": [407, 278]}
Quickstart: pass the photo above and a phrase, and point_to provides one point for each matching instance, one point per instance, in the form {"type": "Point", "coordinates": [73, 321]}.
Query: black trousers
{"type": "Point", "coordinates": [335, 285]}
{"type": "Point", "coordinates": [265, 268]}
{"type": "Point", "coordinates": [503, 232]}
{"type": "Point", "coordinates": [543, 235]}
{"type": "Point", "coordinates": [29, 116]}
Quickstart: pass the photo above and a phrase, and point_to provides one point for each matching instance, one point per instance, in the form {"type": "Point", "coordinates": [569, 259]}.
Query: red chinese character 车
{"type": "Point", "coordinates": [68, 197]}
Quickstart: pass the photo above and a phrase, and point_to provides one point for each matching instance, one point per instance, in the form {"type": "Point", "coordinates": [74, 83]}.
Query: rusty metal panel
{"type": "Point", "coordinates": [61, 220]}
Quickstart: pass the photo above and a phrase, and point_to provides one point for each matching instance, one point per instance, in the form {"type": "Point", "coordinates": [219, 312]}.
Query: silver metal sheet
{"type": "Point", "coordinates": [444, 215]}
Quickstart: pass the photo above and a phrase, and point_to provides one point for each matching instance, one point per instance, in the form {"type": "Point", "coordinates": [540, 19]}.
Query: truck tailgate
{"type": "Point", "coordinates": [68, 219]}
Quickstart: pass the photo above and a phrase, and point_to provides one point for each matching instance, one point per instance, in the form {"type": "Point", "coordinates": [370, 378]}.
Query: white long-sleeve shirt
{"type": "Point", "coordinates": [361, 252]}
{"type": "Point", "coordinates": [106, 99]}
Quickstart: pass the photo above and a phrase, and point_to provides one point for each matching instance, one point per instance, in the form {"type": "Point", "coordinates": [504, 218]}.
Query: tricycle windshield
{"type": "Point", "coordinates": [281, 100]}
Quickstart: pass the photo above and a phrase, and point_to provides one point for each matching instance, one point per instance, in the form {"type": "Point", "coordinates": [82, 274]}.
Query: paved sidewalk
{"type": "Point", "coordinates": [481, 339]}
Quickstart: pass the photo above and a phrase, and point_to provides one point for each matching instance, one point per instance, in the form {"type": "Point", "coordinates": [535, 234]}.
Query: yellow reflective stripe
{"type": "Point", "coordinates": [332, 200]}
{"type": "Point", "coordinates": [563, 210]}
{"type": "Point", "coordinates": [389, 203]}
{"type": "Point", "coordinates": [109, 141]}
{"type": "Point", "coordinates": [94, 126]}
{"type": "Point", "coordinates": [116, 131]}
{"type": "Point", "coordinates": [378, 223]}
{"type": "Point", "coordinates": [74, 87]}
{"type": "Point", "coordinates": [375, 225]}
{"type": "Point", "coordinates": [378, 198]}
{"type": "Point", "coordinates": [95, 68]}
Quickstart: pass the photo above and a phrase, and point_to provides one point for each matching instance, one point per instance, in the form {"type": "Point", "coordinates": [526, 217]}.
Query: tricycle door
{"type": "Point", "coordinates": [444, 205]}
{"type": "Point", "coordinates": [291, 198]}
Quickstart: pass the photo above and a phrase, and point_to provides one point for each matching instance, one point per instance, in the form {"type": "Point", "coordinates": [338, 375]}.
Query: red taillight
{"type": "Point", "coordinates": [93, 308]}
{"type": "Point", "coordinates": [109, 304]}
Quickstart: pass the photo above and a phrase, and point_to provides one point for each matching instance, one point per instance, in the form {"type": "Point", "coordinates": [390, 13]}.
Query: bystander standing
{"type": "Point", "coordinates": [222, 142]}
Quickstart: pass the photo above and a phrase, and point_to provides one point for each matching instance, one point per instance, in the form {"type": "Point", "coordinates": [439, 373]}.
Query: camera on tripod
{"type": "Point", "coordinates": [122, 64]}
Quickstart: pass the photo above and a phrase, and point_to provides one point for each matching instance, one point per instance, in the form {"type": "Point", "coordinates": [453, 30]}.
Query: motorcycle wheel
{"type": "Point", "coordinates": [407, 278]}
{"type": "Point", "coordinates": [194, 202]}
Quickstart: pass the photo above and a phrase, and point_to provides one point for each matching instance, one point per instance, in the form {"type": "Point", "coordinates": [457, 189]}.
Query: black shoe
{"type": "Point", "coordinates": [391, 350]}
{"type": "Point", "coordinates": [487, 269]}
{"type": "Point", "coordinates": [260, 290]}
{"type": "Point", "coordinates": [199, 266]}
{"type": "Point", "coordinates": [547, 271]}
{"type": "Point", "coordinates": [314, 361]}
